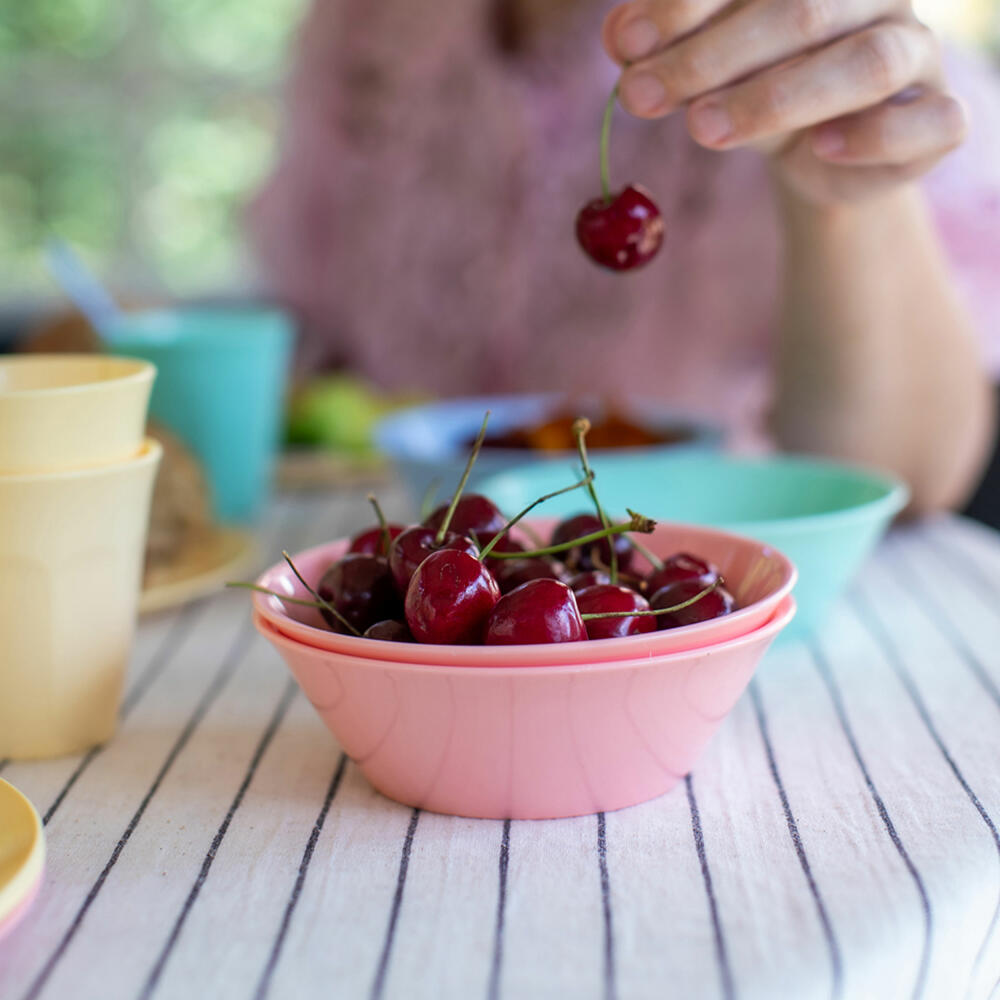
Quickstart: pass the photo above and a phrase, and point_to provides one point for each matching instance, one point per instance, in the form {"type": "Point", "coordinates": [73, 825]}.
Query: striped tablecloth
{"type": "Point", "coordinates": [838, 839]}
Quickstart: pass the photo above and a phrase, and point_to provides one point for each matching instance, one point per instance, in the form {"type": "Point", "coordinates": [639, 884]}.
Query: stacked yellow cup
{"type": "Point", "coordinates": [76, 480]}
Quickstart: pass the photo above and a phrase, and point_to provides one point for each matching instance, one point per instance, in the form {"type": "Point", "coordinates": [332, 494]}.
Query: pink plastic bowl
{"type": "Point", "coordinates": [505, 742]}
{"type": "Point", "coordinates": [759, 576]}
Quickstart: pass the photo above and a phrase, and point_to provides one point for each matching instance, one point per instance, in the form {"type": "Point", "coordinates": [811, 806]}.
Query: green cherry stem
{"type": "Point", "coordinates": [609, 110]}
{"type": "Point", "coordinates": [638, 523]}
{"type": "Point", "coordinates": [243, 585]}
{"type": "Point", "coordinates": [527, 510]}
{"type": "Point", "coordinates": [316, 597]}
{"type": "Point", "coordinates": [580, 428]}
{"type": "Point", "coordinates": [385, 539]}
{"type": "Point", "coordinates": [427, 501]}
{"type": "Point", "coordinates": [473, 455]}
{"type": "Point", "coordinates": [659, 611]}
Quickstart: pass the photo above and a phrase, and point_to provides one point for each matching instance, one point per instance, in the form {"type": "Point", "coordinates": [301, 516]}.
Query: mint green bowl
{"type": "Point", "coordinates": [824, 516]}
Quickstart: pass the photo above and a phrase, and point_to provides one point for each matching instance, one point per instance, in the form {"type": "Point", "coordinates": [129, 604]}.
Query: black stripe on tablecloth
{"type": "Point", "coordinates": [161, 658]}
{"type": "Point", "coordinates": [936, 612]}
{"type": "Point", "coordinates": [264, 985]}
{"type": "Point", "coordinates": [826, 674]}
{"type": "Point", "coordinates": [610, 988]}
{"type": "Point", "coordinates": [4, 763]}
{"type": "Point", "coordinates": [493, 987]}
{"type": "Point", "coordinates": [265, 741]}
{"type": "Point", "coordinates": [229, 665]}
{"type": "Point", "coordinates": [836, 960]}
{"type": "Point", "coordinates": [378, 985]}
{"type": "Point", "coordinates": [721, 954]}
{"type": "Point", "coordinates": [876, 628]}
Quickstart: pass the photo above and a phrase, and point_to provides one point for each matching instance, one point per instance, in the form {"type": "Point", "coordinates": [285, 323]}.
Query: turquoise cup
{"type": "Point", "coordinates": [826, 517]}
{"type": "Point", "coordinates": [220, 387]}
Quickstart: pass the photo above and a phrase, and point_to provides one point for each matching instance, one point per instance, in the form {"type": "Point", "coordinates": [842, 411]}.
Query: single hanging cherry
{"type": "Point", "coordinates": [619, 231]}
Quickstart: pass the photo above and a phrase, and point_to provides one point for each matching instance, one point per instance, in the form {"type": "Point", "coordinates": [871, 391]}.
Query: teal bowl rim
{"type": "Point", "coordinates": [895, 496]}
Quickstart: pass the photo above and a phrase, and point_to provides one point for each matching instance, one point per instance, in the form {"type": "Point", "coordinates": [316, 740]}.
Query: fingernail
{"type": "Point", "coordinates": [711, 123]}
{"type": "Point", "coordinates": [643, 93]}
{"type": "Point", "coordinates": [828, 140]}
{"type": "Point", "coordinates": [637, 38]}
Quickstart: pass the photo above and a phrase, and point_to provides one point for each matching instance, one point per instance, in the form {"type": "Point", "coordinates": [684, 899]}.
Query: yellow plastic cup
{"type": "Point", "coordinates": [71, 556]}
{"type": "Point", "coordinates": [71, 411]}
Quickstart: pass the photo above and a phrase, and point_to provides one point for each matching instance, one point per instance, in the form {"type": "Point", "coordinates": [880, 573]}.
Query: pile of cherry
{"type": "Point", "coordinates": [459, 578]}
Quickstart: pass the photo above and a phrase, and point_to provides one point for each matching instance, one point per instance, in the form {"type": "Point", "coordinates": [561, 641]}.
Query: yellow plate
{"type": "Point", "coordinates": [224, 554]}
{"type": "Point", "coordinates": [22, 855]}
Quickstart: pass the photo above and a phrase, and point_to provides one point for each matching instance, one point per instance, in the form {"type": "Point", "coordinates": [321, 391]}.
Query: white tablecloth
{"type": "Point", "coordinates": [838, 839]}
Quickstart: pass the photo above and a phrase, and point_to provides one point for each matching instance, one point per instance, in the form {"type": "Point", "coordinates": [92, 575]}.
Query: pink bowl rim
{"type": "Point", "coordinates": [628, 646]}
{"type": "Point", "coordinates": [764, 634]}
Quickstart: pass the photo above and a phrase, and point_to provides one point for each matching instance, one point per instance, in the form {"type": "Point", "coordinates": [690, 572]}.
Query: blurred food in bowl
{"type": "Point", "coordinates": [608, 431]}
{"type": "Point", "coordinates": [428, 444]}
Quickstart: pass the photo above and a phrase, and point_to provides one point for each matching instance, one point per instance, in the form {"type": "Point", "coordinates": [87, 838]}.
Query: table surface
{"type": "Point", "coordinates": [837, 839]}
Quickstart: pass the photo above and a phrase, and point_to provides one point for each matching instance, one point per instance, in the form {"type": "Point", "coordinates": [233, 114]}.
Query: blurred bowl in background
{"type": "Point", "coordinates": [429, 444]}
{"type": "Point", "coordinates": [826, 517]}
{"type": "Point", "coordinates": [221, 385]}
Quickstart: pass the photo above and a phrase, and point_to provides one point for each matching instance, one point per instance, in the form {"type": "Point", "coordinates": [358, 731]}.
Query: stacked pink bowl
{"type": "Point", "coordinates": [534, 731]}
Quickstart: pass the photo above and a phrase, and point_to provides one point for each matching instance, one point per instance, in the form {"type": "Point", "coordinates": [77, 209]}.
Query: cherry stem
{"type": "Point", "coordinates": [580, 427]}
{"type": "Point", "coordinates": [659, 611]}
{"type": "Point", "coordinates": [473, 455]}
{"type": "Point", "coordinates": [609, 110]}
{"type": "Point", "coordinates": [243, 585]}
{"type": "Point", "coordinates": [319, 605]}
{"type": "Point", "coordinates": [326, 604]}
{"type": "Point", "coordinates": [638, 523]}
{"type": "Point", "coordinates": [430, 495]}
{"type": "Point", "coordinates": [527, 510]}
{"type": "Point", "coordinates": [385, 539]}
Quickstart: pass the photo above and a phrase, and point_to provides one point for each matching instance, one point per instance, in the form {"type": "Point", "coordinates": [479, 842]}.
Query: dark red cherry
{"type": "Point", "coordinates": [681, 566]}
{"type": "Point", "coordinates": [594, 577]}
{"type": "Point", "coordinates": [475, 515]}
{"type": "Point", "coordinates": [714, 604]}
{"type": "Point", "coordinates": [370, 542]}
{"type": "Point", "coordinates": [390, 631]}
{"type": "Point", "coordinates": [607, 597]}
{"type": "Point", "coordinates": [624, 233]}
{"type": "Point", "coordinates": [537, 611]}
{"type": "Point", "coordinates": [362, 589]}
{"type": "Point", "coordinates": [511, 573]}
{"type": "Point", "coordinates": [506, 544]}
{"type": "Point", "coordinates": [449, 598]}
{"type": "Point", "coordinates": [588, 578]}
{"type": "Point", "coordinates": [579, 560]}
{"type": "Point", "coordinates": [415, 544]}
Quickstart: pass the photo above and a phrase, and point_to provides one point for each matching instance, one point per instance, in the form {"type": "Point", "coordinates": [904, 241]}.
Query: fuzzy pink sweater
{"type": "Point", "coordinates": [419, 219]}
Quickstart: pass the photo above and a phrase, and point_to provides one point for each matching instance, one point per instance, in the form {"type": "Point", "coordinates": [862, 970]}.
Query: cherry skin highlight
{"type": "Point", "coordinates": [607, 597]}
{"type": "Point", "coordinates": [622, 234]}
{"type": "Point", "coordinates": [714, 604]}
{"type": "Point", "coordinates": [449, 598]}
{"type": "Point", "coordinates": [362, 589]}
{"type": "Point", "coordinates": [474, 515]}
{"type": "Point", "coordinates": [415, 544]}
{"type": "Point", "coordinates": [540, 611]}
{"type": "Point", "coordinates": [370, 542]}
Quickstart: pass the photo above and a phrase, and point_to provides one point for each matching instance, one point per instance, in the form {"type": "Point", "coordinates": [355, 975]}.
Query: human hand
{"type": "Point", "coordinates": [847, 97]}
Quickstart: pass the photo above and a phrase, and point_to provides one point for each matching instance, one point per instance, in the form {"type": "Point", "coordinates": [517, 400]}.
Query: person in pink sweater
{"type": "Point", "coordinates": [828, 275]}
